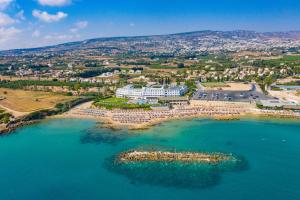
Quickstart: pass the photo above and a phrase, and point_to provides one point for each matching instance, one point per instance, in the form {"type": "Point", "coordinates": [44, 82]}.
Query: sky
{"type": "Point", "coordinates": [35, 23]}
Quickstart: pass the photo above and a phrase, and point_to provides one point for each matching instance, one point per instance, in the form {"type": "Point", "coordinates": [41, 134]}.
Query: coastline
{"type": "Point", "coordinates": [15, 125]}
{"type": "Point", "coordinates": [219, 111]}
{"type": "Point", "coordinates": [108, 122]}
{"type": "Point", "coordinates": [37, 116]}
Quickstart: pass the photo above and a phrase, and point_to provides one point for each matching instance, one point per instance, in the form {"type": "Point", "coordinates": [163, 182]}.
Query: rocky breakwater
{"type": "Point", "coordinates": [163, 156]}
{"type": "Point", "coordinates": [175, 169]}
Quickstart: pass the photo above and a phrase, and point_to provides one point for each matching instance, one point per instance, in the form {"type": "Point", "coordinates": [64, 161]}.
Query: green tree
{"type": "Point", "coordinates": [180, 65]}
{"type": "Point", "coordinates": [77, 86]}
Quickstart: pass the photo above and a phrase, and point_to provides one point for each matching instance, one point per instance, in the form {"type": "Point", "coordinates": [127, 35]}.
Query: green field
{"type": "Point", "coordinates": [291, 61]}
{"type": "Point", "coordinates": [214, 84]}
{"type": "Point", "coordinates": [158, 66]}
{"type": "Point", "coordinates": [291, 58]}
{"type": "Point", "coordinates": [118, 103]}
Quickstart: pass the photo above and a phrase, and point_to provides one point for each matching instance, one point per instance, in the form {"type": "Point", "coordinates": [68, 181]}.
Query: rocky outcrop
{"type": "Point", "coordinates": [12, 126]}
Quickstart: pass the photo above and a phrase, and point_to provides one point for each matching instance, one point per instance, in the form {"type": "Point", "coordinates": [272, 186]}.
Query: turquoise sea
{"type": "Point", "coordinates": [74, 159]}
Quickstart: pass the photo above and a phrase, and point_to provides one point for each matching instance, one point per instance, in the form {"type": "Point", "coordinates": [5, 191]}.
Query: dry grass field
{"type": "Point", "coordinates": [227, 86]}
{"type": "Point", "coordinates": [20, 101]}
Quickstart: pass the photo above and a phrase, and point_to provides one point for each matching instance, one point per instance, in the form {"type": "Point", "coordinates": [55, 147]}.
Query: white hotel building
{"type": "Point", "coordinates": [155, 92]}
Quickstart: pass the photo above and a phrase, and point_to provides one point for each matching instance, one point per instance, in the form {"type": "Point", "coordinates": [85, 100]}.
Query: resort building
{"type": "Point", "coordinates": [130, 91]}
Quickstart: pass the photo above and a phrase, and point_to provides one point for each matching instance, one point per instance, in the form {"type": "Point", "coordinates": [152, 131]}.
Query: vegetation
{"type": "Point", "coordinates": [292, 61]}
{"type": "Point", "coordinates": [21, 84]}
{"type": "Point", "coordinates": [120, 103]}
{"type": "Point", "coordinates": [265, 107]}
{"type": "Point", "coordinates": [214, 84]}
{"type": "Point", "coordinates": [58, 109]}
{"type": "Point", "coordinates": [292, 83]}
{"type": "Point", "coordinates": [4, 116]}
{"type": "Point", "coordinates": [276, 89]}
{"type": "Point", "coordinates": [191, 87]}
{"type": "Point", "coordinates": [265, 82]}
{"type": "Point", "coordinates": [180, 65]}
{"type": "Point", "coordinates": [159, 66]}
{"type": "Point", "coordinates": [94, 72]}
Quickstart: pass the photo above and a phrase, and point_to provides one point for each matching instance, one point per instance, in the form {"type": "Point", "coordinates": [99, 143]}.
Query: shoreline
{"type": "Point", "coordinates": [16, 125]}
{"type": "Point", "coordinates": [111, 124]}
{"type": "Point", "coordinates": [105, 123]}
{"type": "Point", "coordinates": [37, 116]}
{"type": "Point", "coordinates": [141, 119]}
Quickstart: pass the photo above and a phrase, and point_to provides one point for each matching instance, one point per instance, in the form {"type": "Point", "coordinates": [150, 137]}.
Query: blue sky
{"type": "Point", "coordinates": [32, 23]}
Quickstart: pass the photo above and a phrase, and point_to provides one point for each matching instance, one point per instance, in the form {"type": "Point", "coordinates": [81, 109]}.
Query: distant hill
{"type": "Point", "coordinates": [189, 40]}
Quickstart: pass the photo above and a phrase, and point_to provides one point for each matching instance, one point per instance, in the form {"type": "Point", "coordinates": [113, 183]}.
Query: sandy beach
{"type": "Point", "coordinates": [142, 119]}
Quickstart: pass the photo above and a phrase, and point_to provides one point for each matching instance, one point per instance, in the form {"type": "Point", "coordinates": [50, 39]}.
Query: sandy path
{"type": "Point", "coordinates": [82, 106]}
{"type": "Point", "coordinates": [73, 113]}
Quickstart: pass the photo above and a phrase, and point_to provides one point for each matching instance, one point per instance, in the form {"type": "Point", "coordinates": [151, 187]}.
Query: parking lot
{"type": "Point", "coordinates": [223, 95]}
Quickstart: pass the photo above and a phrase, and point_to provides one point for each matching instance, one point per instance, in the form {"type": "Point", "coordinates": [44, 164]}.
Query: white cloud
{"type": "Point", "coordinates": [36, 33]}
{"type": "Point", "coordinates": [54, 2]}
{"type": "Point", "coordinates": [132, 24]}
{"type": "Point", "coordinates": [79, 25]}
{"type": "Point", "coordinates": [20, 15]}
{"type": "Point", "coordinates": [46, 17]}
{"type": "Point", "coordinates": [7, 35]}
{"type": "Point", "coordinates": [4, 4]}
{"type": "Point", "coordinates": [82, 24]}
{"type": "Point", "coordinates": [5, 19]}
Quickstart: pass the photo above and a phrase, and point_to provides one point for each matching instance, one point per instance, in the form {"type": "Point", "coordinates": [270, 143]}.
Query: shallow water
{"type": "Point", "coordinates": [71, 159]}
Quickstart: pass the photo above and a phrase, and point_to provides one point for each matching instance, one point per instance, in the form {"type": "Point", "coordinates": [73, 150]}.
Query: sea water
{"type": "Point", "coordinates": [74, 159]}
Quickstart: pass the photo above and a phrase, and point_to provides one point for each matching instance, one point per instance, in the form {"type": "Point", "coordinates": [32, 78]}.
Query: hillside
{"type": "Point", "coordinates": [190, 41]}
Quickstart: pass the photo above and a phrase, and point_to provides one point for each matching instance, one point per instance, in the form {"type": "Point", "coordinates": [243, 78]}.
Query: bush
{"type": "Point", "coordinates": [5, 117]}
